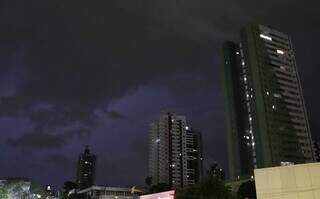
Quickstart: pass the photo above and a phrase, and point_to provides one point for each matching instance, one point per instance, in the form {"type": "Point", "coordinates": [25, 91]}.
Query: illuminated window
{"type": "Point", "coordinates": [280, 52]}
{"type": "Point", "coordinates": [277, 95]}
{"type": "Point", "coordinates": [265, 37]}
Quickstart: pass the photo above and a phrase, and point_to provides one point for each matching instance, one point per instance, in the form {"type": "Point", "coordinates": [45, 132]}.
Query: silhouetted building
{"type": "Point", "coordinates": [316, 148]}
{"type": "Point", "coordinates": [175, 155]}
{"type": "Point", "coordinates": [194, 156]}
{"type": "Point", "coordinates": [86, 169]}
{"type": "Point", "coordinates": [266, 118]}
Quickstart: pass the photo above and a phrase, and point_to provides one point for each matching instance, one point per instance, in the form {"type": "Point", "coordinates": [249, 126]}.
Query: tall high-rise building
{"type": "Point", "coordinates": [86, 169]}
{"type": "Point", "coordinates": [175, 152]}
{"type": "Point", "coordinates": [266, 118]}
{"type": "Point", "coordinates": [194, 156]}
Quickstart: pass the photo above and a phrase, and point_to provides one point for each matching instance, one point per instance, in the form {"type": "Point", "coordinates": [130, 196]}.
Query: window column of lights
{"type": "Point", "coordinates": [249, 94]}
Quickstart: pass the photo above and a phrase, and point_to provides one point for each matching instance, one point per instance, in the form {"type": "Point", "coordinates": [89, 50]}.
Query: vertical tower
{"type": "Point", "coordinates": [170, 151]}
{"type": "Point", "coordinates": [194, 156]}
{"type": "Point", "coordinates": [236, 113]}
{"type": "Point", "coordinates": [86, 169]}
{"type": "Point", "coordinates": [267, 123]}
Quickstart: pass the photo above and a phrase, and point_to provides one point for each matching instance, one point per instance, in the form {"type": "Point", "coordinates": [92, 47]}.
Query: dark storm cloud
{"type": "Point", "coordinates": [60, 161]}
{"type": "Point", "coordinates": [38, 140]}
{"type": "Point", "coordinates": [44, 138]}
{"type": "Point", "coordinates": [115, 115]}
{"type": "Point", "coordinates": [120, 41]}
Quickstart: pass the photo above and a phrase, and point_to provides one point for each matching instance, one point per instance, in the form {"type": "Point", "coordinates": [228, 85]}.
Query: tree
{"type": "Point", "coordinates": [216, 171]}
{"type": "Point", "coordinates": [68, 186]}
{"type": "Point", "coordinates": [160, 188]}
{"type": "Point", "coordinates": [38, 189]}
{"type": "Point", "coordinates": [247, 190]}
{"type": "Point", "coordinates": [209, 188]}
{"type": "Point", "coordinates": [3, 192]}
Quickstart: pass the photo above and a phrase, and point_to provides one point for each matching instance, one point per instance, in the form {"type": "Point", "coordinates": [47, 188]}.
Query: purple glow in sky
{"type": "Point", "coordinates": [74, 73]}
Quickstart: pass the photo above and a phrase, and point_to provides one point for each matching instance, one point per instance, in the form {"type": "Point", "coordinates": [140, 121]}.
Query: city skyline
{"type": "Point", "coordinates": [78, 73]}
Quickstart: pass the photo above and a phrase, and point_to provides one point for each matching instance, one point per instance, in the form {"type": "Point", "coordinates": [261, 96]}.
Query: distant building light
{"type": "Point", "coordinates": [187, 128]}
{"type": "Point", "coordinates": [242, 63]}
{"type": "Point", "coordinates": [286, 163]}
{"type": "Point", "coordinates": [280, 52]}
{"type": "Point", "coordinates": [265, 37]}
{"type": "Point", "coordinates": [237, 53]}
{"type": "Point", "coordinates": [157, 140]}
{"type": "Point", "coordinates": [277, 95]}
{"type": "Point", "coordinates": [268, 93]}
{"type": "Point", "coordinates": [273, 107]}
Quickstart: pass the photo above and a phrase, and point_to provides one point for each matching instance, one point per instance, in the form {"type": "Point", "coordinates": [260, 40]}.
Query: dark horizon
{"type": "Point", "coordinates": [77, 73]}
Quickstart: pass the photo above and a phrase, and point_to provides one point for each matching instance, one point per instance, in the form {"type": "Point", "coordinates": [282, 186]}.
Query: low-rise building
{"type": "Point", "coordinates": [287, 182]}
{"type": "Point", "coordinates": [102, 192]}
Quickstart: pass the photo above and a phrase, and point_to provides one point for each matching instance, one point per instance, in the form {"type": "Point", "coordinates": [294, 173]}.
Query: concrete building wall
{"type": "Point", "coordinates": [289, 182]}
{"type": "Point", "coordinates": [169, 152]}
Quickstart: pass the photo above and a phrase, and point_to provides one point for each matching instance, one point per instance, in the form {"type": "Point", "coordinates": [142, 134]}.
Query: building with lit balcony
{"type": "Point", "coordinates": [266, 118]}
{"type": "Point", "coordinates": [175, 152]}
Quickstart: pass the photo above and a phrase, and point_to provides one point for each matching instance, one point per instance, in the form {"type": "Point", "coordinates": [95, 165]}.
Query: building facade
{"type": "Point", "coordinates": [316, 149]}
{"type": "Point", "coordinates": [294, 181]}
{"type": "Point", "coordinates": [175, 155]}
{"type": "Point", "coordinates": [102, 192]}
{"type": "Point", "coordinates": [86, 169]}
{"type": "Point", "coordinates": [266, 118]}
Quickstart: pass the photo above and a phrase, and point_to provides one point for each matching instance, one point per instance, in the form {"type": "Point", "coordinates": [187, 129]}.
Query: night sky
{"type": "Point", "coordinates": [76, 73]}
